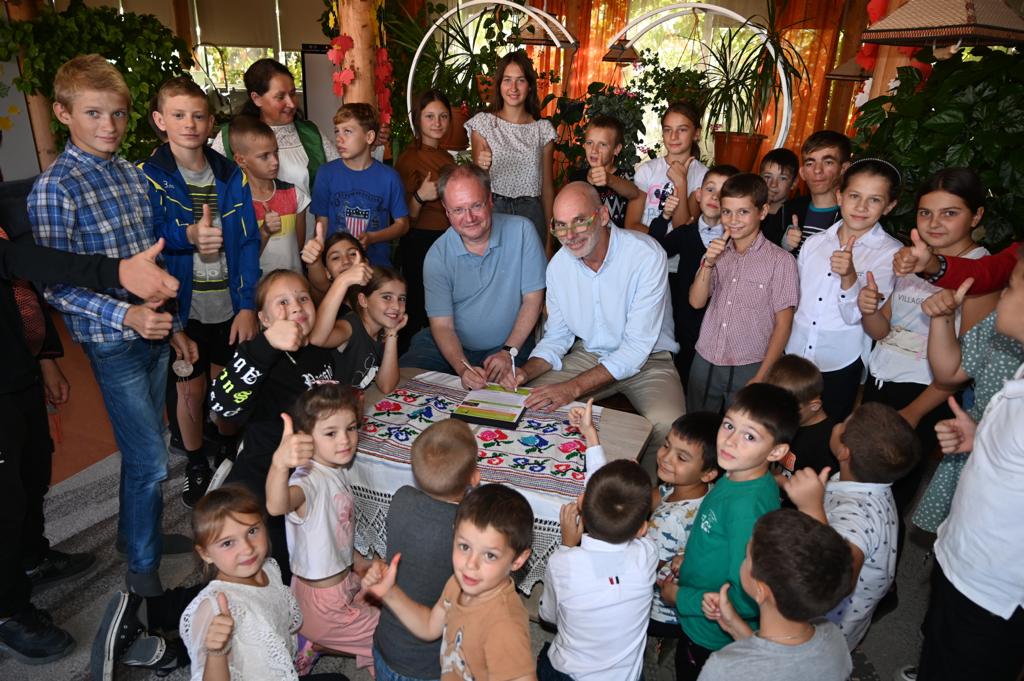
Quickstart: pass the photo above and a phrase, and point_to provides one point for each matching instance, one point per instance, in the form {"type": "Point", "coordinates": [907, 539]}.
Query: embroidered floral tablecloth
{"type": "Point", "coordinates": [544, 458]}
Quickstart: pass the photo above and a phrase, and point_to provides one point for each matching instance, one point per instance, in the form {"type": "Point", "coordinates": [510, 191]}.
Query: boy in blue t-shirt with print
{"type": "Point", "coordinates": [357, 194]}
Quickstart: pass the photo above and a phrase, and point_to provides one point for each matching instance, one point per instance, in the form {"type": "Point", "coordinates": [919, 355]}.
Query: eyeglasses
{"type": "Point", "coordinates": [577, 225]}
{"type": "Point", "coordinates": [458, 213]}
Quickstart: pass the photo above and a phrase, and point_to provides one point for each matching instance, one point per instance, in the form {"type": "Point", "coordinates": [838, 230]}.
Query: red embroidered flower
{"type": "Point", "coordinates": [576, 475]}
{"type": "Point", "coordinates": [571, 446]}
{"type": "Point", "coordinates": [562, 467]}
{"type": "Point", "coordinates": [495, 461]}
{"type": "Point", "coordinates": [387, 405]}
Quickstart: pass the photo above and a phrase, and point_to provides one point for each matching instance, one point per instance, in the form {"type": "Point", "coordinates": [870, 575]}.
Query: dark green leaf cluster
{"type": "Point", "coordinates": [967, 114]}
{"type": "Point", "coordinates": [142, 48]}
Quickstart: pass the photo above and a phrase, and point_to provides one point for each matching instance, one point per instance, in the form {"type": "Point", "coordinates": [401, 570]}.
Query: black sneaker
{"type": "Point", "coordinates": [160, 654]}
{"type": "Point", "coordinates": [119, 628]}
{"type": "Point", "coordinates": [197, 479]}
{"type": "Point", "coordinates": [59, 566]}
{"type": "Point", "coordinates": [33, 638]}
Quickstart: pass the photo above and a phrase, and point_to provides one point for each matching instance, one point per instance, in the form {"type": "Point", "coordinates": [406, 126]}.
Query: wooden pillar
{"type": "Point", "coordinates": [358, 19]}
{"type": "Point", "coordinates": [40, 108]}
{"type": "Point", "coordinates": [183, 22]}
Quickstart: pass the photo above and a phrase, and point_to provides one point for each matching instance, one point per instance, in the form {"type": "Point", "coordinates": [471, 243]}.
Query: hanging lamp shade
{"type": "Point", "coordinates": [925, 23]}
{"type": "Point", "coordinates": [532, 33]}
{"type": "Point", "coordinates": [849, 70]}
{"type": "Point", "coordinates": [622, 53]}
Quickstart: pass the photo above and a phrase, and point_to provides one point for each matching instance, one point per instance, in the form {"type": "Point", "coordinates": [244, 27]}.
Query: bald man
{"type": "Point", "coordinates": [608, 287]}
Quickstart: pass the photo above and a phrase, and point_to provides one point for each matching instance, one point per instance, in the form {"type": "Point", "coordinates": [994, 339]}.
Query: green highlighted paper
{"type": "Point", "coordinates": [493, 406]}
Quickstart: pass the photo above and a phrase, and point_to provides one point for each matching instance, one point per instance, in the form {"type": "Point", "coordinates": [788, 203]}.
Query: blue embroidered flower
{"type": "Point", "coordinates": [537, 468]}
{"type": "Point", "coordinates": [534, 441]}
{"type": "Point", "coordinates": [521, 460]}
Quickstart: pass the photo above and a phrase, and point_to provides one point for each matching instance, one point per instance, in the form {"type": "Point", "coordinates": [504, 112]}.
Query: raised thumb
{"type": "Point", "coordinates": [961, 292]}
{"type": "Point", "coordinates": [588, 413]}
{"type": "Point", "coordinates": [954, 407]}
{"type": "Point", "coordinates": [823, 475]}
{"type": "Point", "coordinates": [155, 249]}
{"type": "Point", "coordinates": [393, 566]}
{"type": "Point", "coordinates": [207, 217]}
{"type": "Point", "coordinates": [430, 175]}
{"type": "Point", "coordinates": [222, 603]}
{"type": "Point", "coordinates": [849, 244]}
{"type": "Point", "coordinates": [796, 222]}
{"type": "Point", "coordinates": [915, 237]}
{"type": "Point", "coordinates": [871, 281]}
{"type": "Point", "coordinates": [723, 594]}
{"type": "Point", "coordinates": [320, 232]}
{"type": "Point", "coordinates": [288, 429]}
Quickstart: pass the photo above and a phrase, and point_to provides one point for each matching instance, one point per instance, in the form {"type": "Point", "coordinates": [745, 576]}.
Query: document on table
{"type": "Point", "coordinates": [493, 406]}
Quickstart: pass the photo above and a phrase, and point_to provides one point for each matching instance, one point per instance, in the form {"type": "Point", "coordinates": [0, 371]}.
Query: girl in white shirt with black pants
{"type": "Point", "coordinates": [834, 267]}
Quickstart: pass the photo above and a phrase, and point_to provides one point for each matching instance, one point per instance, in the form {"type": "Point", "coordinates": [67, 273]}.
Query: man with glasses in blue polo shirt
{"type": "Point", "coordinates": [484, 286]}
{"type": "Point", "coordinates": [609, 327]}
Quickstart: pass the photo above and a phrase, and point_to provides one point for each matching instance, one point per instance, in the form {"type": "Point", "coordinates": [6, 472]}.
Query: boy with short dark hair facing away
{"type": "Point", "coordinates": [811, 446]}
{"type": "Point", "coordinates": [779, 169]}
{"type": "Point", "coordinates": [280, 206]}
{"type": "Point", "coordinates": [356, 193]}
{"type": "Point", "coordinates": [598, 584]}
{"type": "Point", "coordinates": [602, 143]}
{"type": "Point", "coordinates": [203, 208]}
{"type": "Point", "coordinates": [796, 570]}
{"type": "Point", "coordinates": [687, 465]}
{"type": "Point", "coordinates": [419, 527]}
{"type": "Point", "coordinates": [824, 157]}
{"type": "Point", "coordinates": [91, 201]}
{"type": "Point", "coordinates": [756, 431]}
{"type": "Point", "coordinates": [689, 243]}
{"type": "Point", "coordinates": [753, 290]}
{"type": "Point", "coordinates": [481, 619]}
{"type": "Point", "coordinates": [875, 447]}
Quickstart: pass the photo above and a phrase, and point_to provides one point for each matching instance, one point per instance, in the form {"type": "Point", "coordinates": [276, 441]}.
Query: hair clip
{"type": "Point", "coordinates": [899, 177]}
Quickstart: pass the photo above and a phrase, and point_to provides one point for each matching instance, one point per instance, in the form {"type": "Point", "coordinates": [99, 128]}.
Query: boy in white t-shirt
{"type": "Point", "coordinates": [874, 447]}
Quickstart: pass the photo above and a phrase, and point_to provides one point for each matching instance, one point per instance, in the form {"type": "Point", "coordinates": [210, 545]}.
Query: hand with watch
{"type": "Point", "coordinates": [502, 363]}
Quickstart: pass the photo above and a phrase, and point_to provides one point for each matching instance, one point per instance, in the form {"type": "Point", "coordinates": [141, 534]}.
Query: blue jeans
{"type": "Point", "coordinates": [424, 354]}
{"type": "Point", "coordinates": [385, 673]}
{"type": "Point", "coordinates": [132, 376]}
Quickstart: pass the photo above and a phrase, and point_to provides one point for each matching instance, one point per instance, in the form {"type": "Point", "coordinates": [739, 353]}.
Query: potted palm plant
{"type": "Point", "coordinates": [742, 68]}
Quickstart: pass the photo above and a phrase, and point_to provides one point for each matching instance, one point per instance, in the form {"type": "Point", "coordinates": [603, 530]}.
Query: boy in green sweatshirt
{"type": "Point", "coordinates": [757, 429]}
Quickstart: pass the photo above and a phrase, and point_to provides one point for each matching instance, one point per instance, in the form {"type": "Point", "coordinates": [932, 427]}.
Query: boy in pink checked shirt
{"type": "Point", "coordinates": [753, 289]}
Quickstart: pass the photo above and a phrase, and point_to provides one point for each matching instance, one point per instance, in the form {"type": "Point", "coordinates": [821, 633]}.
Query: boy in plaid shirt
{"type": "Point", "coordinates": [753, 289]}
{"type": "Point", "coordinates": [92, 201]}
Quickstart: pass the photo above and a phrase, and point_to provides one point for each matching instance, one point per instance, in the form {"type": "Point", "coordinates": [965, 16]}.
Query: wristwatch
{"type": "Point", "coordinates": [512, 351]}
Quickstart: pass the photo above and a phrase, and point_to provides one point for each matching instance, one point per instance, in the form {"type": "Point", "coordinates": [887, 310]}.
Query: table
{"type": "Point", "coordinates": [543, 459]}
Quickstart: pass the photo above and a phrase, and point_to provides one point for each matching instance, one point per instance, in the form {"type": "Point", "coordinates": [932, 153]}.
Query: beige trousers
{"type": "Point", "coordinates": [655, 392]}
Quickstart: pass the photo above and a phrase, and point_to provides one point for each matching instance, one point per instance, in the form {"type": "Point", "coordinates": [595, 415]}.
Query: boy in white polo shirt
{"type": "Point", "coordinates": [874, 447]}
{"type": "Point", "coordinates": [598, 586]}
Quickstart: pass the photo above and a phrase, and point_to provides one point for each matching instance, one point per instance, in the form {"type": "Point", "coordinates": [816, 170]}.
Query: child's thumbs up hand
{"type": "Point", "coordinates": [428, 188]}
{"type": "Point", "coordinates": [793, 235]}
{"type": "Point", "coordinates": [314, 247]}
{"type": "Point", "coordinates": [206, 238]}
{"type": "Point", "coordinates": [842, 260]}
{"type": "Point", "coordinates": [379, 579]}
{"type": "Point", "coordinates": [671, 203]}
{"type": "Point", "coordinates": [729, 619]}
{"type": "Point", "coordinates": [911, 259]}
{"type": "Point", "coordinates": [597, 176]}
{"type": "Point", "coordinates": [272, 222]}
{"type": "Point", "coordinates": [956, 435]}
{"type": "Point", "coordinates": [295, 450]}
{"type": "Point", "coordinates": [715, 250]}
{"type": "Point", "coordinates": [869, 300]}
{"type": "Point", "coordinates": [218, 634]}
{"type": "Point", "coordinates": [945, 302]}
{"type": "Point", "coordinates": [806, 489]}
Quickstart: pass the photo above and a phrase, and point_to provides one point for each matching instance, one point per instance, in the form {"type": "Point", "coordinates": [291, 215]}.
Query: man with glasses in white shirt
{"type": "Point", "coordinates": [484, 286]}
{"type": "Point", "coordinates": [609, 327]}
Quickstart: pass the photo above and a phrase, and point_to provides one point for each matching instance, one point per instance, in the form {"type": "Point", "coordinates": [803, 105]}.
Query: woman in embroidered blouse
{"type": "Point", "coordinates": [419, 166]}
{"type": "Point", "coordinates": [516, 145]}
{"type": "Point", "coordinates": [301, 146]}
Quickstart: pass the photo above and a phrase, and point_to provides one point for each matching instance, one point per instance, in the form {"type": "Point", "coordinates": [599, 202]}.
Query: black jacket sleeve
{"type": "Point", "coordinates": [674, 240]}
{"type": "Point", "coordinates": [233, 393]}
{"type": "Point", "coordinates": [25, 260]}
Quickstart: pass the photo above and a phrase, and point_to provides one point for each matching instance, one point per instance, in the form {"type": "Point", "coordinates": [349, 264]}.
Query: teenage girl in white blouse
{"type": "Point", "coordinates": [516, 145]}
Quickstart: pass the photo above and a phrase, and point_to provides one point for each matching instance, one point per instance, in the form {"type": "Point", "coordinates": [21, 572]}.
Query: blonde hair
{"type": "Point", "coordinates": [216, 506]}
{"type": "Point", "coordinates": [88, 72]}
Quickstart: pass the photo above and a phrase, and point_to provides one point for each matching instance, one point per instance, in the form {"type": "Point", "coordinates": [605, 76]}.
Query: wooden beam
{"type": "Point", "coordinates": [183, 22]}
{"type": "Point", "coordinates": [358, 19]}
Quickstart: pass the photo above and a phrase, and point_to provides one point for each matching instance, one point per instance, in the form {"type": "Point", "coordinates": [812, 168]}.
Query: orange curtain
{"type": "Point", "coordinates": [813, 26]}
{"type": "Point", "coordinates": [597, 22]}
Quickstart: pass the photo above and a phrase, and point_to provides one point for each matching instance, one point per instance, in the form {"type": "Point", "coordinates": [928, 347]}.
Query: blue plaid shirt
{"type": "Point", "coordinates": [85, 204]}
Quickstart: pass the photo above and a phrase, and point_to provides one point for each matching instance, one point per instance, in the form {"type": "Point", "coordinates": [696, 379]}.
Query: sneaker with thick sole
{"type": "Point", "coordinates": [118, 629]}
{"type": "Point", "coordinates": [59, 566]}
{"type": "Point", "coordinates": [161, 655]}
{"type": "Point", "coordinates": [197, 479]}
{"type": "Point", "coordinates": [907, 673]}
{"type": "Point", "coordinates": [32, 637]}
